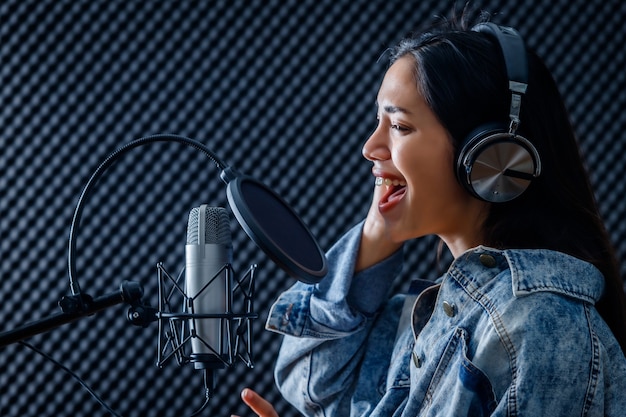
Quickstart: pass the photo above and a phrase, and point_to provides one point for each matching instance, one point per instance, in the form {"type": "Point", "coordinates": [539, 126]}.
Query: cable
{"type": "Point", "coordinates": [208, 391]}
{"type": "Point", "coordinates": [73, 375]}
{"type": "Point", "coordinates": [208, 382]}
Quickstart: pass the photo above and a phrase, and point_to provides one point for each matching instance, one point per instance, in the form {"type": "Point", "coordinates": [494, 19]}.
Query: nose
{"type": "Point", "coordinates": [376, 147]}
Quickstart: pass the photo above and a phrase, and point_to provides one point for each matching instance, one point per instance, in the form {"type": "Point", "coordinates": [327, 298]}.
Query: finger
{"type": "Point", "coordinates": [258, 404]}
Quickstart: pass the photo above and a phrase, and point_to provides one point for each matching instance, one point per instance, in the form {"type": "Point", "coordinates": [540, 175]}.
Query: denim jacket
{"type": "Point", "coordinates": [502, 333]}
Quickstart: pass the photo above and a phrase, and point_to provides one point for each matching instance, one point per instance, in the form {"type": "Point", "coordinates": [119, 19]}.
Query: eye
{"type": "Point", "coordinates": [399, 128]}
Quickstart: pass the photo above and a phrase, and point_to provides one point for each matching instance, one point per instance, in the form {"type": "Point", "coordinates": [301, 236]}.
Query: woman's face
{"type": "Point", "coordinates": [413, 162]}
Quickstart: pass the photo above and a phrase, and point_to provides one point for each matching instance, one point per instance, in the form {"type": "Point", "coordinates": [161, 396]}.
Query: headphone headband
{"type": "Point", "coordinates": [514, 53]}
{"type": "Point", "coordinates": [513, 49]}
{"type": "Point", "coordinates": [494, 164]}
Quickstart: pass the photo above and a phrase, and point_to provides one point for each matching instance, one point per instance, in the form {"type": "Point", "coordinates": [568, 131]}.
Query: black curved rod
{"type": "Point", "coordinates": [110, 160]}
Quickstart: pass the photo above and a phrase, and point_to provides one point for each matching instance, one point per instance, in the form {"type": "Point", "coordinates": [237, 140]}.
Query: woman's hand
{"type": "Point", "coordinates": [257, 403]}
{"type": "Point", "coordinates": [376, 244]}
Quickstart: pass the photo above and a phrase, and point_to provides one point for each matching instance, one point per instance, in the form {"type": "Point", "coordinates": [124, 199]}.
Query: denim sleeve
{"type": "Point", "coordinates": [325, 327]}
{"type": "Point", "coordinates": [343, 301]}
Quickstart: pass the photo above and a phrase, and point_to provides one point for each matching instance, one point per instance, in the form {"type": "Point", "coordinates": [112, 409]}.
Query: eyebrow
{"type": "Point", "coordinates": [394, 109]}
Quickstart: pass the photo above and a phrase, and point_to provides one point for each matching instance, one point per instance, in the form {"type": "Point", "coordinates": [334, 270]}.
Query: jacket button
{"type": "Point", "coordinates": [487, 260]}
{"type": "Point", "coordinates": [416, 360]}
{"type": "Point", "coordinates": [449, 309]}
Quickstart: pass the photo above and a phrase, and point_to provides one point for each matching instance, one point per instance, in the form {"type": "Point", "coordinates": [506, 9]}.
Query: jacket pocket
{"type": "Point", "coordinates": [458, 387]}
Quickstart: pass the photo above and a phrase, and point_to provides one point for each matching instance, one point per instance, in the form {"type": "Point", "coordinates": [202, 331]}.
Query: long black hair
{"type": "Point", "coordinates": [462, 75]}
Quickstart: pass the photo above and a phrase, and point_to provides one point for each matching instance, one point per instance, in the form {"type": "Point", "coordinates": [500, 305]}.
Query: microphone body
{"type": "Point", "coordinates": [208, 250]}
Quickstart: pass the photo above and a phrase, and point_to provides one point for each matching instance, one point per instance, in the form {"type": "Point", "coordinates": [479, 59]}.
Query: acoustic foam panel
{"type": "Point", "coordinates": [284, 91]}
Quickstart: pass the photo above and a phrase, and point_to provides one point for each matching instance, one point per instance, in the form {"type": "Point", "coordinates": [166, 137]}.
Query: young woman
{"type": "Point", "coordinates": [529, 319]}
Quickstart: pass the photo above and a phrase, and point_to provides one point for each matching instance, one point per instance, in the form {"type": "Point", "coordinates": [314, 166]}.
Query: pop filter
{"type": "Point", "coordinates": [275, 227]}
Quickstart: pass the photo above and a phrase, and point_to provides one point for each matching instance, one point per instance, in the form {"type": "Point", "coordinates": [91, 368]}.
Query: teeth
{"type": "Point", "coordinates": [386, 181]}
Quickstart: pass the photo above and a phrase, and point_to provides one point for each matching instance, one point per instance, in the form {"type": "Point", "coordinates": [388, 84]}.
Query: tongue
{"type": "Point", "coordinates": [394, 193]}
{"type": "Point", "coordinates": [397, 194]}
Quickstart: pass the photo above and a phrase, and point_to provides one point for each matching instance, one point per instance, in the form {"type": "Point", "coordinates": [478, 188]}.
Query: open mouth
{"type": "Point", "coordinates": [395, 190]}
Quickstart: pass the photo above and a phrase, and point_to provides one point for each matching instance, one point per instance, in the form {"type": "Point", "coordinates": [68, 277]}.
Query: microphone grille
{"type": "Point", "coordinates": [216, 226]}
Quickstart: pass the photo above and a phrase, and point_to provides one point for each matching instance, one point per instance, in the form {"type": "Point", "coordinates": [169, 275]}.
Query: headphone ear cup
{"type": "Point", "coordinates": [496, 166]}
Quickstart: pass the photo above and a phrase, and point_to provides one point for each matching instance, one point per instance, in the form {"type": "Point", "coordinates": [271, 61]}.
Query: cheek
{"type": "Point", "coordinates": [434, 172]}
{"type": "Point", "coordinates": [441, 187]}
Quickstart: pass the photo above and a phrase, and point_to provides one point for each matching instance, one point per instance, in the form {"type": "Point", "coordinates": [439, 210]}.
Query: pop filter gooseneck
{"type": "Point", "coordinates": [97, 174]}
{"type": "Point", "coordinates": [265, 217]}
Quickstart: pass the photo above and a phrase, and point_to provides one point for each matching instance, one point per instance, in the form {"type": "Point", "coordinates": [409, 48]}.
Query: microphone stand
{"type": "Point", "coordinates": [172, 338]}
{"type": "Point", "coordinates": [80, 305]}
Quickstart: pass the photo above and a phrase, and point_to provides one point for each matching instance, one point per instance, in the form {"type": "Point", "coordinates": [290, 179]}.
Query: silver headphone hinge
{"type": "Point", "coordinates": [513, 127]}
{"type": "Point", "coordinates": [516, 105]}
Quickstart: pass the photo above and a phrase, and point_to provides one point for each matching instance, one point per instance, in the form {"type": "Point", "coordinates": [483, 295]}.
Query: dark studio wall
{"type": "Point", "coordinates": [282, 90]}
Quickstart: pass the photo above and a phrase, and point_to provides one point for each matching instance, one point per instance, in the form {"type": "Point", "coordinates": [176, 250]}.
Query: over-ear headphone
{"type": "Point", "coordinates": [496, 164]}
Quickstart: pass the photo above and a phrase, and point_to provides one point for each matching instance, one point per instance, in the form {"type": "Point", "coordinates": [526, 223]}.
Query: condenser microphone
{"type": "Point", "coordinates": [208, 251]}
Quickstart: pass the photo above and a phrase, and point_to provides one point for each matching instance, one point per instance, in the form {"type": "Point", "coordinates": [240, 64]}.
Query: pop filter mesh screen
{"type": "Point", "coordinates": [283, 90]}
{"type": "Point", "coordinates": [273, 225]}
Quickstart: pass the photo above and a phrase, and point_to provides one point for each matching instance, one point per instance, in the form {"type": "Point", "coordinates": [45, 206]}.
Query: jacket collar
{"type": "Point", "coordinates": [534, 270]}
{"type": "Point", "coordinates": [554, 271]}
